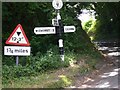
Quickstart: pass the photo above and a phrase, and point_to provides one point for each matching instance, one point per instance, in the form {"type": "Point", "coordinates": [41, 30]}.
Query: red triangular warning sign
{"type": "Point", "coordinates": [18, 37]}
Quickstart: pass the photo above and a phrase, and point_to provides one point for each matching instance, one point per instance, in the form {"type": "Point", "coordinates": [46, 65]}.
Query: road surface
{"type": "Point", "coordinates": [107, 77]}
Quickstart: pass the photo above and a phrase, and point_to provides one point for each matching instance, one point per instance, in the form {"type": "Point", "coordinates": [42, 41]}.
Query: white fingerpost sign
{"type": "Point", "coordinates": [55, 22]}
{"type": "Point", "coordinates": [44, 30]}
{"type": "Point", "coordinates": [17, 51]}
{"type": "Point", "coordinates": [58, 27]}
{"type": "Point", "coordinates": [57, 4]}
{"type": "Point", "coordinates": [69, 29]}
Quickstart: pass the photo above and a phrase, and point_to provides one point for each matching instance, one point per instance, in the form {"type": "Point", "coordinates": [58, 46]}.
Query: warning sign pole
{"type": "Point", "coordinates": [17, 60]}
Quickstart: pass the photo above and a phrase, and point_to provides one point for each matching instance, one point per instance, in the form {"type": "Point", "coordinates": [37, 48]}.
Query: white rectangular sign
{"type": "Point", "coordinates": [44, 30]}
{"type": "Point", "coordinates": [55, 22]}
{"type": "Point", "coordinates": [17, 51]}
{"type": "Point", "coordinates": [69, 29]}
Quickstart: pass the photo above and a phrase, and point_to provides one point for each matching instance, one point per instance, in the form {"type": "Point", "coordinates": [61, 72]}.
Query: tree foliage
{"type": "Point", "coordinates": [30, 15]}
{"type": "Point", "coordinates": [107, 24]}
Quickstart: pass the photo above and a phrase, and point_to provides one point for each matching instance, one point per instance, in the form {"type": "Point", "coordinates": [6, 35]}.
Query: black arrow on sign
{"type": "Point", "coordinates": [18, 33]}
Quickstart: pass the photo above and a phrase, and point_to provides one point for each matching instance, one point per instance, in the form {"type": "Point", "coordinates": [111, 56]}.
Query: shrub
{"type": "Point", "coordinates": [34, 65]}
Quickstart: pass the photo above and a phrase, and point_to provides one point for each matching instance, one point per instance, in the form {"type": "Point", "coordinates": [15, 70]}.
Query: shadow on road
{"type": "Point", "coordinates": [108, 75]}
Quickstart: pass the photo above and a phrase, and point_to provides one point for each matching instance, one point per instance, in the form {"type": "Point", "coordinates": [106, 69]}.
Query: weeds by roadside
{"type": "Point", "coordinates": [32, 67]}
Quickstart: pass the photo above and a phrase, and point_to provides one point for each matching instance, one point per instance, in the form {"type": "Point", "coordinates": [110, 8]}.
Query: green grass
{"type": "Point", "coordinates": [59, 78]}
{"type": "Point", "coordinates": [30, 82]}
{"type": "Point", "coordinates": [45, 80]}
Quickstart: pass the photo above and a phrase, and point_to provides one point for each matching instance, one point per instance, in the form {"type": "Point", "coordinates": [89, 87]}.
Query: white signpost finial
{"type": "Point", "coordinates": [57, 4]}
{"type": "Point", "coordinates": [58, 29]}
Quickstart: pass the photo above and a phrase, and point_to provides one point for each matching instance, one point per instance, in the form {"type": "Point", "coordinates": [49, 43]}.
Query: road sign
{"type": "Point", "coordinates": [69, 29]}
{"type": "Point", "coordinates": [18, 37]}
{"type": "Point", "coordinates": [55, 22]}
{"type": "Point", "coordinates": [44, 30]}
{"type": "Point", "coordinates": [57, 4]}
{"type": "Point", "coordinates": [17, 50]}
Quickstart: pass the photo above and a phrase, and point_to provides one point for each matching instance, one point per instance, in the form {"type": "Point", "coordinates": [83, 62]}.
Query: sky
{"type": "Point", "coordinates": [86, 15]}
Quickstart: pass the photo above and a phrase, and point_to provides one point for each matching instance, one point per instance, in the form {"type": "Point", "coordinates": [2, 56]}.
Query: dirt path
{"type": "Point", "coordinates": [107, 76]}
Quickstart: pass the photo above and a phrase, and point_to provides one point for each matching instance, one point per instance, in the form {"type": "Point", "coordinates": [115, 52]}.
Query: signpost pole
{"type": "Point", "coordinates": [57, 4]}
{"type": "Point", "coordinates": [17, 60]}
{"type": "Point", "coordinates": [59, 28]}
{"type": "Point", "coordinates": [60, 31]}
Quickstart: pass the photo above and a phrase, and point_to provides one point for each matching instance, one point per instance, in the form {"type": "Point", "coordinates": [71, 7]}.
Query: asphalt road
{"type": "Point", "coordinates": [108, 76]}
{"type": "Point", "coordinates": [108, 79]}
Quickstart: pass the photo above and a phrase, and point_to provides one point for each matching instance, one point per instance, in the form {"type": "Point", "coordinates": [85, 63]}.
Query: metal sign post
{"type": "Point", "coordinates": [57, 4]}
{"type": "Point", "coordinates": [58, 27]}
{"type": "Point", "coordinates": [17, 60]}
{"type": "Point", "coordinates": [60, 31]}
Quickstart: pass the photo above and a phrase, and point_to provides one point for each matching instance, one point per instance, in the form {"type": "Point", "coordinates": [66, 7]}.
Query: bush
{"type": "Point", "coordinates": [35, 65]}
{"type": "Point", "coordinates": [39, 63]}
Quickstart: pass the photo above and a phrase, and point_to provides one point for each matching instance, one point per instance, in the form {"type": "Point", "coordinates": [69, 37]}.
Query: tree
{"type": "Point", "coordinates": [31, 15]}
{"type": "Point", "coordinates": [107, 20]}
